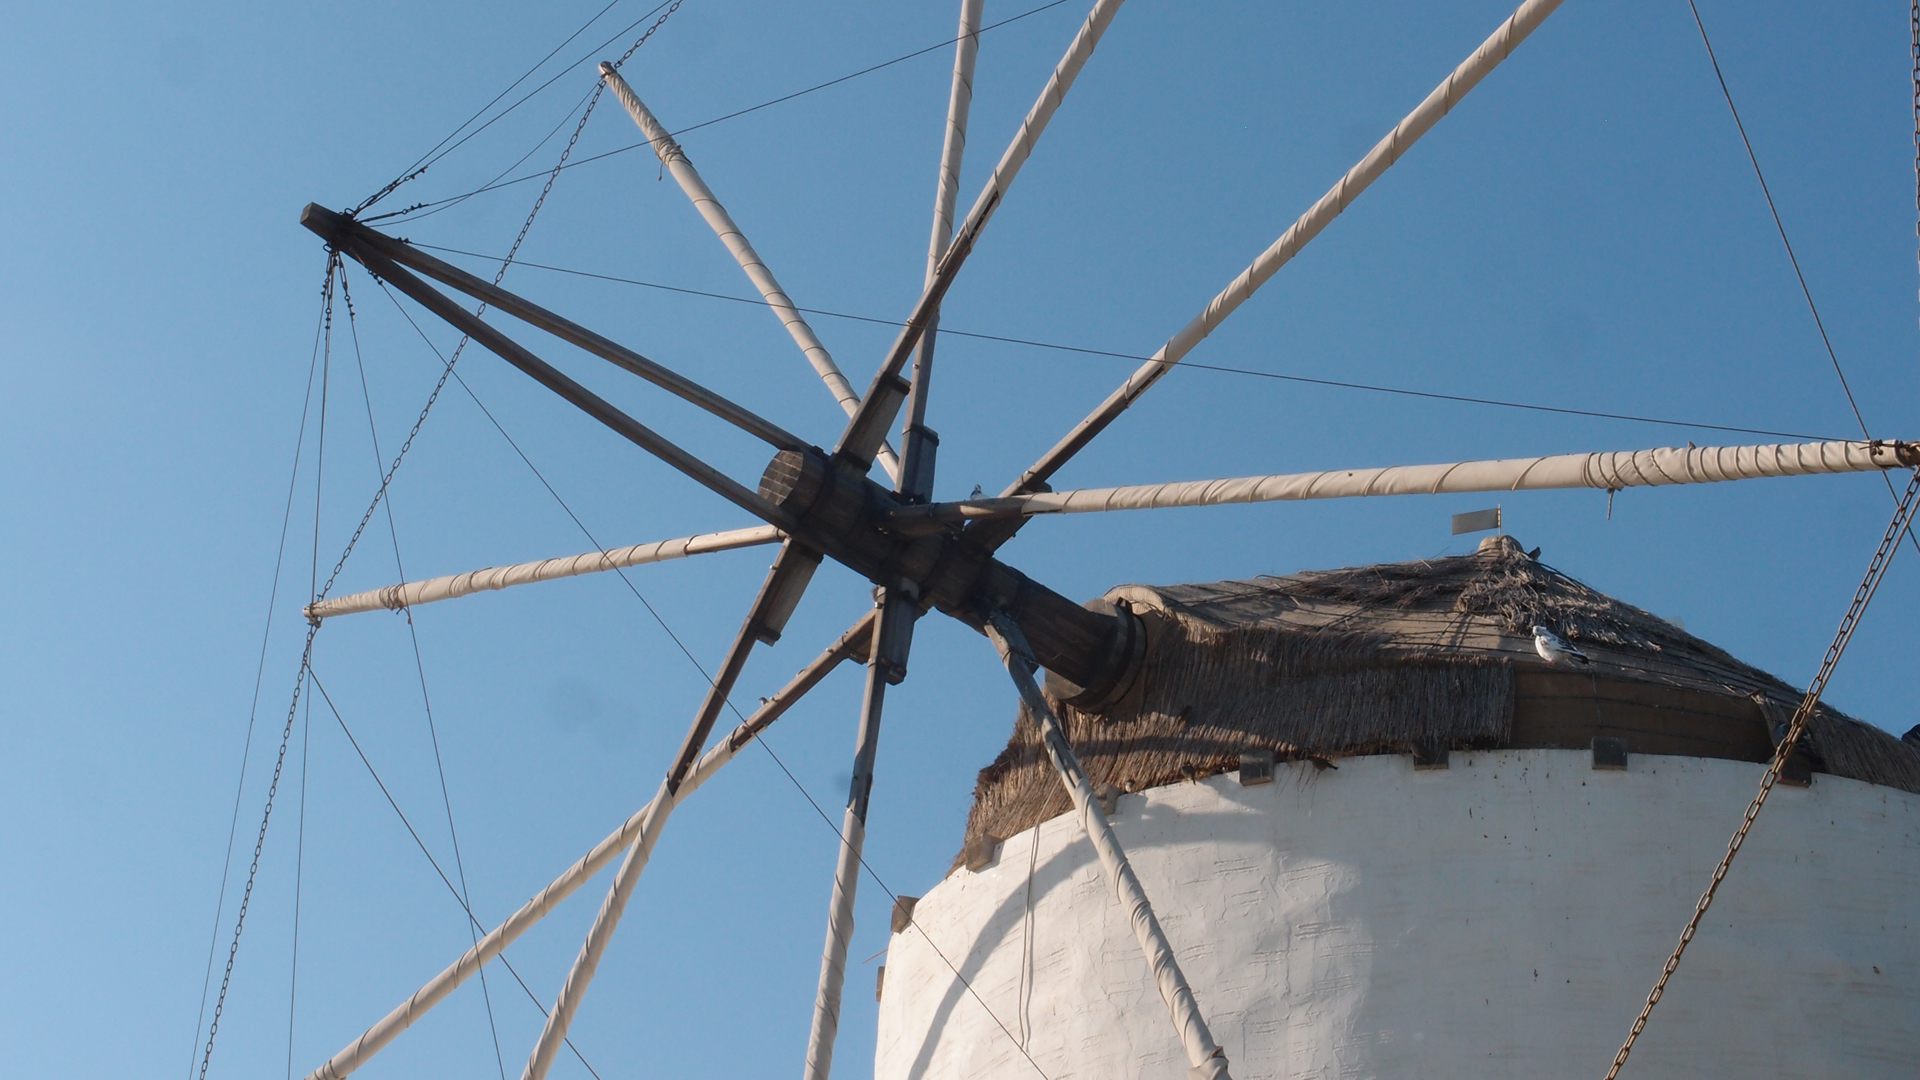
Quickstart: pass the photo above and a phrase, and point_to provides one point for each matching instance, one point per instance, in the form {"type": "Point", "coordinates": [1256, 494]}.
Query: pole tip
{"type": "Point", "coordinates": [321, 221]}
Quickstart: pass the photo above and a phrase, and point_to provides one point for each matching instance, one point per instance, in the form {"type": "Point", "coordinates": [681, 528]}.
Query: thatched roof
{"type": "Point", "coordinates": [1418, 657]}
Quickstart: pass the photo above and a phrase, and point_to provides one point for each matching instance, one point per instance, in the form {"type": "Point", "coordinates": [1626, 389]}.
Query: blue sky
{"type": "Point", "coordinates": [1585, 231]}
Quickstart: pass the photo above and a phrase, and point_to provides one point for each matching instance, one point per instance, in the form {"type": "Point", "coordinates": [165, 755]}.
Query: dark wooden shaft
{"type": "Point", "coordinates": [857, 640]}
{"type": "Point", "coordinates": [892, 608]}
{"type": "Point", "coordinates": [919, 444]}
{"type": "Point", "coordinates": [787, 564]}
{"type": "Point", "coordinates": [337, 229]}
{"type": "Point", "coordinates": [553, 379]}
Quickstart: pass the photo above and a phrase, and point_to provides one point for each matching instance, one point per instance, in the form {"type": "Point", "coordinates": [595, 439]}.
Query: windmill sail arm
{"type": "Point", "coordinates": [1310, 224]}
{"type": "Point", "coordinates": [723, 225]}
{"type": "Point", "coordinates": [888, 390]}
{"type": "Point", "coordinates": [1611, 471]}
{"type": "Point", "coordinates": [953, 148]}
{"type": "Point", "coordinates": [786, 579]}
{"type": "Point", "coordinates": [1205, 1058]}
{"type": "Point", "coordinates": [852, 644]}
{"type": "Point", "coordinates": [414, 593]}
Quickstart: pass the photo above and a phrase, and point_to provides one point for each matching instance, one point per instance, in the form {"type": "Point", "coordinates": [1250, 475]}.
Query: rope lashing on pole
{"type": "Point", "coordinates": [414, 593]}
{"type": "Point", "coordinates": [674, 159]}
{"type": "Point", "coordinates": [1876, 570]}
{"type": "Point", "coordinates": [1384, 154]}
{"type": "Point", "coordinates": [1611, 471]}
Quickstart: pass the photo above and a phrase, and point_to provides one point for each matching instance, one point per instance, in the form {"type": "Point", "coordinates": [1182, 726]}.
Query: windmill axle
{"type": "Point", "coordinates": [845, 516]}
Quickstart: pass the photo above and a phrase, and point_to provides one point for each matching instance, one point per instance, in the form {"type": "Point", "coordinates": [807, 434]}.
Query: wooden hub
{"type": "Point", "coordinates": [1096, 650]}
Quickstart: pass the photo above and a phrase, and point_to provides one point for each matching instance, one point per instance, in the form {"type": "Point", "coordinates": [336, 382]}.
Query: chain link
{"type": "Point", "coordinates": [1802, 717]}
{"type": "Point", "coordinates": [657, 23]}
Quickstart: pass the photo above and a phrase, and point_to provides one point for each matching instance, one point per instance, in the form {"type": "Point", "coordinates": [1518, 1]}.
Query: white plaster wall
{"type": "Point", "coordinates": [1501, 918]}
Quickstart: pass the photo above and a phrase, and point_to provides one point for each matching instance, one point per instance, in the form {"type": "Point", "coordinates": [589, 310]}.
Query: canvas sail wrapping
{"type": "Point", "coordinates": [1610, 471]}
{"type": "Point", "coordinates": [413, 593]}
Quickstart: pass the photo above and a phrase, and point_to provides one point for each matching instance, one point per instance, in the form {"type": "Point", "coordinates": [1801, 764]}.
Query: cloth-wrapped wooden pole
{"type": "Point", "coordinates": [919, 444]}
{"type": "Point", "coordinates": [785, 582]}
{"type": "Point", "coordinates": [414, 593]}
{"type": "Point", "coordinates": [1384, 153]}
{"type": "Point", "coordinates": [560, 1018]}
{"type": "Point", "coordinates": [877, 412]}
{"type": "Point", "coordinates": [953, 149]}
{"type": "Point", "coordinates": [1613, 471]}
{"type": "Point", "coordinates": [723, 225]}
{"type": "Point", "coordinates": [1205, 1058]}
{"type": "Point", "coordinates": [853, 643]}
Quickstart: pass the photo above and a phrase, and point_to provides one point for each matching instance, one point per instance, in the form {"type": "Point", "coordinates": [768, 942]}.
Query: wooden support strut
{"type": "Point", "coordinates": [863, 435]}
{"type": "Point", "coordinates": [1205, 1058]}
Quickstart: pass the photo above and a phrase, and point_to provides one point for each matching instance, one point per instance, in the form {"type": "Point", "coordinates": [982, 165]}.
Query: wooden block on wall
{"type": "Point", "coordinates": [1609, 753]}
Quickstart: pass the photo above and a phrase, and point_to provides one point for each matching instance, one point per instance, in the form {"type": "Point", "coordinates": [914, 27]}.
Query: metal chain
{"type": "Point", "coordinates": [336, 271]}
{"type": "Point", "coordinates": [386, 479]}
{"type": "Point", "coordinates": [427, 160]}
{"type": "Point", "coordinates": [259, 843]}
{"type": "Point", "coordinates": [287, 731]}
{"type": "Point", "coordinates": [286, 734]}
{"type": "Point", "coordinates": [657, 23]}
{"type": "Point", "coordinates": [547, 189]}
{"type": "Point", "coordinates": [1876, 570]}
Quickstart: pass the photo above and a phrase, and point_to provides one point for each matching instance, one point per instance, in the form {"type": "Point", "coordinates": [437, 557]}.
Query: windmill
{"type": "Point", "coordinates": [921, 556]}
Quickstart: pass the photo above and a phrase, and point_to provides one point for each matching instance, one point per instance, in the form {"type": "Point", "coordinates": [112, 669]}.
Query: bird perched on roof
{"type": "Point", "coordinates": [1554, 649]}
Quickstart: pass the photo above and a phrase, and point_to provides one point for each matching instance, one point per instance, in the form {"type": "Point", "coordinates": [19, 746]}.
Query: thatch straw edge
{"type": "Point", "coordinates": [1372, 660]}
{"type": "Point", "coordinates": [1209, 694]}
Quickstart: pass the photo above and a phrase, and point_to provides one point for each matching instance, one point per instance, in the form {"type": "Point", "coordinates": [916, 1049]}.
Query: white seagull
{"type": "Point", "coordinates": [1554, 649]}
